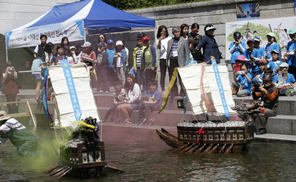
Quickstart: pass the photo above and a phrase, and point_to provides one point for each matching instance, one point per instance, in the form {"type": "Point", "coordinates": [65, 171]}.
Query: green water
{"type": "Point", "coordinates": [144, 157]}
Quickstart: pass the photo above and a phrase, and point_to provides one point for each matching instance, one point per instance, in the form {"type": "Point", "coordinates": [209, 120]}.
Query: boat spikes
{"type": "Point", "coordinates": [200, 132]}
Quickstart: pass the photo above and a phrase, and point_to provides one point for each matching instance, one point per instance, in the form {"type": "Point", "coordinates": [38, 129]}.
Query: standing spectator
{"type": "Point", "coordinates": [65, 42]}
{"type": "Point", "coordinates": [184, 30]}
{"type": "Point", "coordinates": [56, 60]}
{"type": "Point", "coordinates": [10, 88]}
{"type": "Point", "coordinates": [149, 62]}
{"type": "Point", "coordinates": [177, 55]}
{"type": "Point", "coordinates": [290, 54]}
{"type": "Point", "coordinates": [253, 56]}
{"type": "Point", "coordinates": [39, 50]}
{"type": "Point", "coordinates": [48, 51]}
{"type": "Point", "coordinates": [126, 60]}
{"type": "Point", "coordinates": [133, 98]}
{"type": "Point", "coordinates": [101, 38]}
{"type": "Point", "coordinates": [243, 81]}
{"type": "Point", "coordinates": [163, 38]}
{"type": "Point", "coordinates": [111, 70]}
{"type": "Point", "coordinates": [137, 55]}
{"type": "Point", "coordinates": [272, 45]}
{"type": "Point", "coordinates": [269, 96]}
{"type": "Point", "coordinates": [236, 48]}
{"type": "Point", "coordinates": [36, 69]}
{"type": "Point", "coordinates": [74, 54]}
{"type": "Point", "coordinates": [119, 96]}
{"type": "Point", "coordinates": [88, 56]}
{"type": "Point", "coordinates": [119, 61]}
{"type": "Point", "coordinates": [103, 69]}
{"type": "Point", "coordinates": [209, 45]}
{"type": "Point", "coordinates": [194, 39]}
{"type": "Point", "coordinates": [259, 48]}
{"type": "Point", "coordinates": [153, 104]}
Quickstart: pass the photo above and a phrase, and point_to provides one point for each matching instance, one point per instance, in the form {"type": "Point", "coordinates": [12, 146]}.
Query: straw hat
{"type": "Point", "coordinates": [4, 116]}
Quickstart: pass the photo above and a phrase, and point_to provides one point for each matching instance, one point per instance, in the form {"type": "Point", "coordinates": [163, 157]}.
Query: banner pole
{"type": "Point", "coordinates": [6, 52]}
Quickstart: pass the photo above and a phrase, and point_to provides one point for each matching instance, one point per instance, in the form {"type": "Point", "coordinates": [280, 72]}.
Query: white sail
{"type": "Point", "coordinates": [191, 78]}
{"type": "Point", "coordinates": [84, 93]}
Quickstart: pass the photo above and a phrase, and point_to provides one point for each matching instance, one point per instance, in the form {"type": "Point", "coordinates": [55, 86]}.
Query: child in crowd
{"type": "Point", "coordinates": [272, 45]}
{"type": "Point", "coordinates": [253, 56]}
{"type": "Point", "coordinates": [48, 51]}
{"type": "Point", "coordinates": [74, 55]}
{"type": "Point", "coordinates": [56, 60]}
{"type": "Point", "coordinates": [65, 42]}
{"type": "Point", "coordinates": [283, 80]}
{"type": "Point", "coordinates": [290, 54]}
{"type": "Point", "coordinates": [36, 69]}
{"type": "Point", "coordinates": [260, 49]}
{"type": "Point", "coordinates": [137, 55]}
{"type": "Point", "coordinates": [194, 38]}
{"type": "Point", "coordinates": [149, 60]}
{"type": "Point", "coordinates": [243, 81]}
{"type": "Point", "coordinates": [153, 104]}
{"type": "Point", "coordinates": [68, 55]}
{"type": "Point", "coordinates": [275, 62]}
{"type": "Point", "coordinates": [39, 50]}
{"type": "Point", "coordinates": [111, 70]}
{"type": "Point", "coordinates": [119, 61]}
{"type": "Point", "coordinates": [236, 48]}
{"type": "Point", "coordinates": [119, 98]}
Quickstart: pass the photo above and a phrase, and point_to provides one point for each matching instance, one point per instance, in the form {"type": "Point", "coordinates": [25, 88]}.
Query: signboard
{"type": "Point", "coordinates": [279, 26]}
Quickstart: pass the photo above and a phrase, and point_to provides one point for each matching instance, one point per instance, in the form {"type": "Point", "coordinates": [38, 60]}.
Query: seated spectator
{"type": "Point", "coordinates": [275, 62]}
{"type": "Point", "coordinates": [259, 77]}
{"type": "Point", "coordinates": [242, 84]}
{"type": "Point", "coordinates": [74, 55]}
{"type": "Point", "coordinates": [119, 96]}
{"type": "Point", "coordinates": [253, 56]}
{"type": "Point", "coordinates": [284, 80]}
{"type": "Point", "coordinates": [133, 99]}
{"type": "Point", "coordinates": [119, 61]}
{"type": "Point", "coordinates": [153, 104]}
{"type": "Point", "coordinates": [269, 97]}
{"type": "Point", "coordinates": [241, 59]}
{"type": "Point", "coordinates": [56, 60]}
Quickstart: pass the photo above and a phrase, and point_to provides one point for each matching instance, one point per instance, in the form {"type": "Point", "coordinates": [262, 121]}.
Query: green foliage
{"type": "Point", "coordinates": [137, 4]}
{"type": "Point", "coordinates": [261, 31]}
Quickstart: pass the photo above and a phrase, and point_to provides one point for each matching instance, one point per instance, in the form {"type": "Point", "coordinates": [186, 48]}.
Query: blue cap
{"type": "Point", "coordinates": [110, 41]}
{"type": "Point", "coordinates": [102, 44]}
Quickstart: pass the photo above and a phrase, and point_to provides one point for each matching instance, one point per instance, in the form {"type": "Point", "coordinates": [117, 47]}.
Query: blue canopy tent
{"type": "Point", "coordinates": [75, 20]}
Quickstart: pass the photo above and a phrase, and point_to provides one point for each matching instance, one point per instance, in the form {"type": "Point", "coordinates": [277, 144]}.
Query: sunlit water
{"type": "Point", "coordinates": [150, 159]}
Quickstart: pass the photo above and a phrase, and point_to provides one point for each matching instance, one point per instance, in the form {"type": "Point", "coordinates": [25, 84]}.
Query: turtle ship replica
{"type": "Point", "coordinates": [211, 98]}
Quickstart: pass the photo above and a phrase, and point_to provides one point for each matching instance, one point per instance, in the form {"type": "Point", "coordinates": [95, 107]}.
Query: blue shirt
{"type": "Point", "coordinates": [261, 52]}
{"type": "Point", "coordinates": [290, 48]}
{"type": "Point", "coordinates": [291, 79]}
{"type": "Point", "coordinates": [110, 57]}
{"type": "Point", "coordinates": [154, 96]}
{"type": "Point", "coordinates": [255, 54]}
{"type": "Point", "coordinates": [272, 65]}
{"type": "Point", "coordinates": [271, 47]}
{"type": "Point", "coordinates": [237, 51]}
{"type": "Point", "coordinates": [244, 82]}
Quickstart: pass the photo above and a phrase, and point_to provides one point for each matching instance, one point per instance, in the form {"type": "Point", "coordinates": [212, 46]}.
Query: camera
{"type": "Point", "coordinates": [256, 84]}
{"type": "Point", "coordinates": [10, 68]}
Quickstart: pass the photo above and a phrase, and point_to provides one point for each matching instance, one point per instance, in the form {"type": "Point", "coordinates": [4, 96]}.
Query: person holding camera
{"type": "Point", "coordinates": [284, 81]}
{"type": "Point", "coordinates": [253, 56]}
{"type": "Point", "coordinates": [236, 48]}
{"type": "Point", "coordinates": [194, 38]}
{"type": "Point", "coordinates": [290, 54]}
{"type": "Point", "coordinates": [258, 79]}
{"type": "Point", "coordinates": [242, 84]}
{"type": "Point", "coordinates": [10, 88]}
{"type": "Point", "coordinates": [269, 100]}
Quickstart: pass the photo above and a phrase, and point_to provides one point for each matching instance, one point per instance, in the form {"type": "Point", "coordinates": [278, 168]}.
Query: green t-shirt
{"type": "Point", "coordinates": [195, 42]}
{"type": "Point", "coordinates": [148, 58]}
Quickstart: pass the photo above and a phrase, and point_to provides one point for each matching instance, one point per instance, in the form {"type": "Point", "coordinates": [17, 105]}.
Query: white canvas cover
{"type": "Point", "coordinates": [84, 93]}
{"type": "Point", "coordinates": [191, 75]}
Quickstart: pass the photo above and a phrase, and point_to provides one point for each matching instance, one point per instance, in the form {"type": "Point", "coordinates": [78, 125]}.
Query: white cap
{"type": "Point", "coordinates": [86, 44]}
{"type": "Point", "coordinates": [119, 42]}
{"type": "Point", "coordinates": [210, 28]}
{"type": "Point", "coordinates": [284, 65]}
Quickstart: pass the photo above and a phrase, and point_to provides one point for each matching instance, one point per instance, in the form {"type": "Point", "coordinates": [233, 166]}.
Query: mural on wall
{"type": "Point", "coordinates": [247, 11]}
{"type": "Point", "coordinates": [259, 28]}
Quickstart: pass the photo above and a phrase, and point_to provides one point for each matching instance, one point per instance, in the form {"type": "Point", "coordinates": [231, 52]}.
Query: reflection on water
{"type": "Point", "coordinates": [149, 159]}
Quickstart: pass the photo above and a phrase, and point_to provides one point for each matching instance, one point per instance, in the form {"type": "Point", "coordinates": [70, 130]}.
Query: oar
{"type": "Point", "coordinates": [200, 149]}
{"type": "Point", "coordinates": [58, 169]}
{"type": "Point", "coordinates": [61, 172]}
{"type": "Point", "coordinates": [213, 149]}
{"type": "Point", "coordinates": [228, 150]}
{"type": "Point", "coordinates": [52, 168]}
{"type": "Point", "coordinates": [66, 172]}
{"type": "Point", "coordinates": [208, 149]}
{"type": "Point", "coordinates": [186, 149]}
{"type": "Point", "coordinates": [177, 150]}
{"type": "Point", "coordinates": [222, 149]}
{"type": "Point", "coordinates": [193, 149]}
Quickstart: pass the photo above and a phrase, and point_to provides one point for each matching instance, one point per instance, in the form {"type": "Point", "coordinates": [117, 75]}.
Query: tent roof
{"type": "Point", "coordinates": [96, 15]}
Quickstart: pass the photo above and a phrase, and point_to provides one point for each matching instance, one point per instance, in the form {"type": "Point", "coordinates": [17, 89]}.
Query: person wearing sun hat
{"type": "Point", "coordinates": [209, 45]}
{"type": "Point", "coordinates": [290, 54]}
{"type": "Point", "coordinates": [269, 96]}
{"type": "Point", "coordinates": [18, 135]}
{"type": "Point", "coordinates": [272, 45]}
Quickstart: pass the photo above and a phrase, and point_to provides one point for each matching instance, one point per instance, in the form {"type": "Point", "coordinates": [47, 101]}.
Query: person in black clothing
{"type": "Point", "coordinates": [102, 67]}
{"type": "Point", "coordinates": [269, 96]}
{"type": "Point", "coordinates": [39, 50]}
{"type": "Point", "coordinates": [209, 45]}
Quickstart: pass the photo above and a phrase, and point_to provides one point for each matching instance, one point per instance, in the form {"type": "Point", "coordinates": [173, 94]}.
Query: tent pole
{"type": "Point", "coordinates": [6, 52]}
{"type": "Point", "coordinates": [84, 31]}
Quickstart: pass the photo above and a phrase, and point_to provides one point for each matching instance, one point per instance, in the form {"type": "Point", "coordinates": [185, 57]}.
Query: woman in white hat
{"type": "Point", "coordinates": [18, 134]}
{"type": "Point", "coordinates": [272, 45]}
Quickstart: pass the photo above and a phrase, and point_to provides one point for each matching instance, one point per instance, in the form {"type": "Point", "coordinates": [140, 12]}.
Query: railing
{"type": "Point", "coordinates": [22, 114]}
